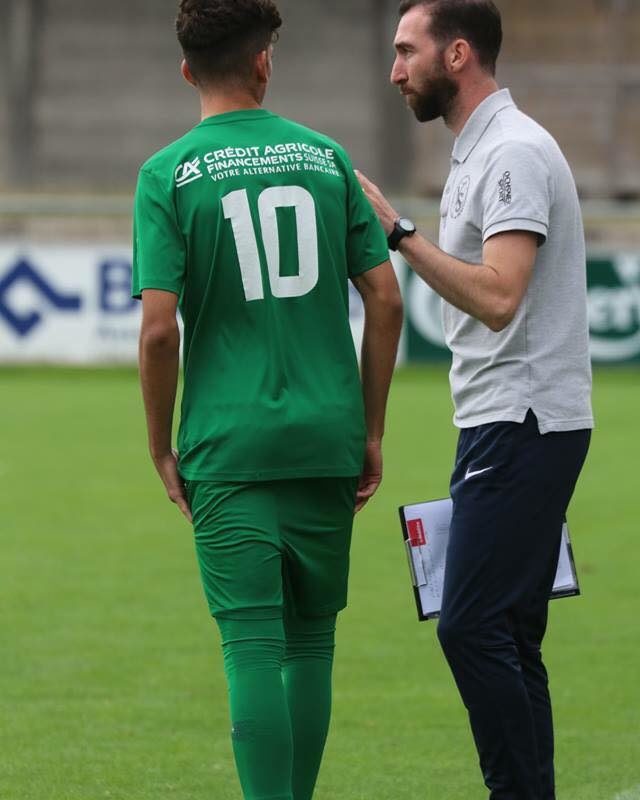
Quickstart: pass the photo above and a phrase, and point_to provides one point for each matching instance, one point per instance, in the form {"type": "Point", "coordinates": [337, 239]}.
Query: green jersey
{"type": "Point", "coordinates": [257, 223]}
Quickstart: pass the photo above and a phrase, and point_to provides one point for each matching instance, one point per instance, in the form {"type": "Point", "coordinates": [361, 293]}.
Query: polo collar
{"type": "Point", "coordinates": [478, 123]}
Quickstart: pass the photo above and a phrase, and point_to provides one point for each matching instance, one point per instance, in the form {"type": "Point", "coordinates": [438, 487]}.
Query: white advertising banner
{"type": "Point", "coordinates": [71, 305]}
{"type": "Point", "coordinates": [67, 305]}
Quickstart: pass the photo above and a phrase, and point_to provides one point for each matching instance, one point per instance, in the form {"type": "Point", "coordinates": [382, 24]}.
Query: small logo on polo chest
{"type": "Point", "coordinates": [459, 199]}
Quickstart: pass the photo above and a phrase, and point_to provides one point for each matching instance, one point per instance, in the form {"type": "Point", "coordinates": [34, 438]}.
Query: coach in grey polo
{"type": "Point", "coordinates": [508, 174]}
{"type": "Point", "coordinates": [511, 270]}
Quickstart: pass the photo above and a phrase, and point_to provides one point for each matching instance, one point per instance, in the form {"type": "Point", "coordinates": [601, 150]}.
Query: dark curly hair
{"type": "Point", "coordinates": [220, 38]}
{"type": "Point", "coordinates": [477, 21]}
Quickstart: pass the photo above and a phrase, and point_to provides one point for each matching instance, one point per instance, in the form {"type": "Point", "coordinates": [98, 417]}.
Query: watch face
{"type": "Point", "coordinates": [406, 225]}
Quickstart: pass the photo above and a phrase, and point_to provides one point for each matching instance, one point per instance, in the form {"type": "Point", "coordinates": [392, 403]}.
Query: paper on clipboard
{"type": "Point", "coordinates": [425, 529]}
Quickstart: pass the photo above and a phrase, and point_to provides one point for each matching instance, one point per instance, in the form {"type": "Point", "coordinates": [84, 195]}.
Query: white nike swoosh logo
{"type": "Point", "coordinates": [470, 474]}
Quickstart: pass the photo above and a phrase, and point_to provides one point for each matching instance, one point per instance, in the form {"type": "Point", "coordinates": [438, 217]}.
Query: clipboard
{"type": "Point", "coordinates": [425, 533]}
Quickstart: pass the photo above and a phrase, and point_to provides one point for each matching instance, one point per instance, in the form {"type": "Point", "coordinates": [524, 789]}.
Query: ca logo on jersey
{"type": "Point", "coordinates": [188, 173]}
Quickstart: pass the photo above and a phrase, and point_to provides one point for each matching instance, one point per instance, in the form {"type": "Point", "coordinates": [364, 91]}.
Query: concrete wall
{"type": "Point", "coordinates": [575, 67]}
{"type": "Point", "coordinates": [107, 92]}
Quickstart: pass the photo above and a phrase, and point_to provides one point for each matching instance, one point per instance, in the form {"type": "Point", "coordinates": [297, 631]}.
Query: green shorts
{"type": "Point", "coordinates": [274, 547]}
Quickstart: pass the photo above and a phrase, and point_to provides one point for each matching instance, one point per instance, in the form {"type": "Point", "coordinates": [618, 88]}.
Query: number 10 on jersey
{"type": "Point", "coordinates": [237, 209]}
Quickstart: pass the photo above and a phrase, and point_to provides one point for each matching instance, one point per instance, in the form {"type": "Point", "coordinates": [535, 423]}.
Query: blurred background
{"type": "Point", "coordinates": [91, 89]}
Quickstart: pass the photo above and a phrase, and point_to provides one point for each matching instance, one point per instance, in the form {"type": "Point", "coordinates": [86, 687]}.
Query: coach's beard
{"type": "Point", "coordinates": [435, 100]}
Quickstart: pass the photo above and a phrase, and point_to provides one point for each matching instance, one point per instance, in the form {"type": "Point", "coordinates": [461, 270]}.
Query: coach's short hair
{"type": "Point", "coordinates": [477, 21]}
{"type": "Point", "coordinates": [220, 38]}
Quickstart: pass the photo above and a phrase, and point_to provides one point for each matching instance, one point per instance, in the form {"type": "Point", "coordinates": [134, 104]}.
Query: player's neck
{"type": "Point", "coordinates": [223, 102]}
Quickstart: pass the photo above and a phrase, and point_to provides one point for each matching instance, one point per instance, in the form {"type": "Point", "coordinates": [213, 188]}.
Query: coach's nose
{"type": "Point", "coordinates": [398, 73]}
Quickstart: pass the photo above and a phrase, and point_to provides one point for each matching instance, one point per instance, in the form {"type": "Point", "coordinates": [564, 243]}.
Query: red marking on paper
{"type": "Point", "coordinates": [417, 536]}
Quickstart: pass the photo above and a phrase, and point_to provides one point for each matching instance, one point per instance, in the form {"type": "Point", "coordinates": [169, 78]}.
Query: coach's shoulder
{"type": "Point", "coordinates": [524, 142]}
{"type": "Point", "coordinates": [521, 132]}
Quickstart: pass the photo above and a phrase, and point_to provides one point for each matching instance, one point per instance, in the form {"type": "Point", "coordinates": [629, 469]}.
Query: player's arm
{"type": "Point", "coordinates": [159, 365]}
{"type": "Point", "coordinates": [383, 323]}
{"type": "Point", "coordinates": [492, 291]}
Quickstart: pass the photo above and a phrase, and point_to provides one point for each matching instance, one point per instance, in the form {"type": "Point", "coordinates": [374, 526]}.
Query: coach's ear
{"type": "Point", "coordinates": [186, 73]}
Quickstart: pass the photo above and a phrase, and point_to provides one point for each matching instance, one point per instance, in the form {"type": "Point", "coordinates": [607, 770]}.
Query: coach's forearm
{"type": "Point", "coordinates": [383, 324]}
{"type": "Point", "coordinates": [159, 365]}
{"type": "Point", "coordinates": [475, 289]}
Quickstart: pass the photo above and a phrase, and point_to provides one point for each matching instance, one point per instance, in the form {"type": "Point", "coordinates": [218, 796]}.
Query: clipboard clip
{"type": "Point", "coordinates": [416, 568]}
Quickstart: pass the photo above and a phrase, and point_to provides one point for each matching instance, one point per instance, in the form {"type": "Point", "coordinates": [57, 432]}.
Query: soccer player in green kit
{"type": "Point", "coordinates": [253, 226]}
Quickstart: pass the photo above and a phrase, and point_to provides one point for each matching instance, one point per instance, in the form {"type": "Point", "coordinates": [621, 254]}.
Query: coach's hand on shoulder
{"type": "Point", "coordinates": [167, 467]}
{"type": "Point", "coordinates": [385, 212]}
{"type": "Point", "coordinates": [371, 476]}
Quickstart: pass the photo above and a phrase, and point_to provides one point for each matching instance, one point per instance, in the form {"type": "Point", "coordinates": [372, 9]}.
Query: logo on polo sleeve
{"type": "Point", "coordinates": [504, 188]}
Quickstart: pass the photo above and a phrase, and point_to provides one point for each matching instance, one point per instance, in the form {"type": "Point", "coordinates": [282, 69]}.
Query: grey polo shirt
{"type": "Point", "coordinates": [508, 174]}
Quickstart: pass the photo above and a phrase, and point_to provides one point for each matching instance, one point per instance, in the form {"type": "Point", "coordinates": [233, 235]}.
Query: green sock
{"type": "Point", "coordinates": [261, 728]}
{"type": "Point", "coordinates": [280, 702]}
{"type": "Point", "coordinates": [307, 679]}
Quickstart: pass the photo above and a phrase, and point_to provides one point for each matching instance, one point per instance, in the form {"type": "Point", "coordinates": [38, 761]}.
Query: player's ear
{"type": "Point", "coordinates": [186, 73]}
{"type": "Point", "coordinates": [264, 65]}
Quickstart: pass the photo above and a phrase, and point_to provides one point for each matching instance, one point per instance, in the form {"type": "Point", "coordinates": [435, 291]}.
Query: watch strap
{"type": "Point", "coordinates": [397, 235]}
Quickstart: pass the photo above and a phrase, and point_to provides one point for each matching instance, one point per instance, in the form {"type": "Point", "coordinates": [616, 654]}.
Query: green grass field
{"type": "Point", "coordinates": [110, 676]}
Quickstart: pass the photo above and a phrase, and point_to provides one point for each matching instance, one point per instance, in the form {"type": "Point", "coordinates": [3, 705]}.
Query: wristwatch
{"type": "Point", "coordinates": [403, 227]}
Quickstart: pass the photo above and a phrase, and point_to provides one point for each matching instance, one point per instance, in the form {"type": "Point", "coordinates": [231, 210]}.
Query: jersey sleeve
{"type": "Point", "coordinates": [159, 253]}
{"type": "Point", "coordinates": [366, 240]}
{"type": "Point", "coordinates": [517, 191]}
